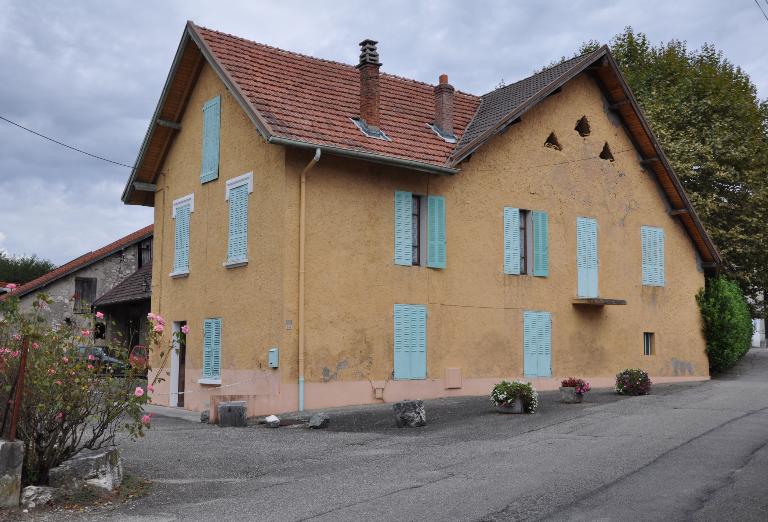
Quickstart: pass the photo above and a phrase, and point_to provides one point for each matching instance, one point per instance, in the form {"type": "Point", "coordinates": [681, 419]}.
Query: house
{"type": "Point", "coordinates": [100, 279]}
{"type": "Point", "coordinates": [331, 234]}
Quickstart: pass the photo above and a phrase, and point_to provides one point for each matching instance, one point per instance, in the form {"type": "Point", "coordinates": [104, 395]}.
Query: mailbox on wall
{"type": "Point", "coordinates": [273, 358]}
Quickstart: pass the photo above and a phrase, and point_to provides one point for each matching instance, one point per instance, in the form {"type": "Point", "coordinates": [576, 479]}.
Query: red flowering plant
{"type": "Point", "coordinates": [70, 401]}
{"type": "Point", "coordinates": [581, 385]}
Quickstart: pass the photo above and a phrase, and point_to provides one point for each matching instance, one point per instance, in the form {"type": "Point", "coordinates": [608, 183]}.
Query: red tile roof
{"type": "Point", "coordinates": [83, 261]}
{"type": "Point", "coordinates": [313, 100]}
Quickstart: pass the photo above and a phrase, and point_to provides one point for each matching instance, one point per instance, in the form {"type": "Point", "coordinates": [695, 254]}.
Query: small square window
{"type": "Point", "coordinates": [418, 230]}
{"type": "Point", "coordinates": [649, 343]}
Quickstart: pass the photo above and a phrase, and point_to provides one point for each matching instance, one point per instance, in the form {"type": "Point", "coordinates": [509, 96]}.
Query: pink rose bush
{"type": "Point", "coordinates": [66, 390]}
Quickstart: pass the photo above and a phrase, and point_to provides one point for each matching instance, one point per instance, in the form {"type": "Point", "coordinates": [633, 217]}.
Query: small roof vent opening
{"type": "Point", "coordinates": [552, 142]}
{"type": "Point", "coordinates": [582, 127]}
{"type": "Point", "coordinates": [606, 153]}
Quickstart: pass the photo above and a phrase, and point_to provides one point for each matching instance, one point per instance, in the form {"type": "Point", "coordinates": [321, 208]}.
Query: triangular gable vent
{"type": "Point", "coordinates": [552, 142]}
{"type": "Point", "coordinates": [582, 127]}
{"type": "Point", "coordinates": [606, 153]}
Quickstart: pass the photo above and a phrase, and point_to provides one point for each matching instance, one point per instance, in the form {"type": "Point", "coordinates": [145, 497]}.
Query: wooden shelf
{"type": "Point", "coordinates": [597, 301]}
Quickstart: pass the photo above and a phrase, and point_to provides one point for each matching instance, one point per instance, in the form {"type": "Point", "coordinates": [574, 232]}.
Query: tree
{"type": "Point", "coordinates": [22, 269]}
{"type": "Point", "coordinates": [727, 322]}
{"type": "Point", "coordinates": [713, 127]}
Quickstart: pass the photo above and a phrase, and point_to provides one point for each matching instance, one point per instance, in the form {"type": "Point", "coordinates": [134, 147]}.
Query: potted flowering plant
{"type": "Point", "coordinates": [572, 390]}
{"type": "Point", "coordinates": [514, 397]}
{"type": "Point", "coordinates": [633, 381]}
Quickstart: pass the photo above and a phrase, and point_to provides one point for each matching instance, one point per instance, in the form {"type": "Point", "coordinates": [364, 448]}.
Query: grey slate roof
{"type": "Point", "coordinates": [135, 287]}
{"type": "Point", "coordinates": [499, 103]}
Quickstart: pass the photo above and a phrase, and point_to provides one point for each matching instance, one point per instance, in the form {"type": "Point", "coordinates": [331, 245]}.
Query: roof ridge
{"type": "Point", "coordinates": [82, 260]}
{"type": "Point", "coordinates": [324, 60]}
{"type": "Point", "coordinates": [544, 70]}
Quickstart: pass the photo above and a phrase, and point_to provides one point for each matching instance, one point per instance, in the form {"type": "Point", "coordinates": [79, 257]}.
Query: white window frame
{"type": "Point", "coordinates": [189, 199]}
{"type": "Point", "coordinates": [245, 179]}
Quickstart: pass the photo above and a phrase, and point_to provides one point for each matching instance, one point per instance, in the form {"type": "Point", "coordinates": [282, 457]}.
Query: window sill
{"type": "Point", "coordinates": [235, 263]}
{"type": "Point", "coordinates": [209, 380]}
{"type": "Point", "coordinates": [177, 275]}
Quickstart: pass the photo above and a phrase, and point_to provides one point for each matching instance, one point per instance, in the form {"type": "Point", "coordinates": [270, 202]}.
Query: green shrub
{"type": "Point", "coordinates": [633, 382]}
{"type": "Point", "coordinates": [505, 393]}
{"type": "Point", "coordinates": [727, 322]}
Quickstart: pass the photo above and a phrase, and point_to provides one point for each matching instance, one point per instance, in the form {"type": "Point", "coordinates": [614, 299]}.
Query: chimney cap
{"type": "Point", "coordinates": [368, 53]}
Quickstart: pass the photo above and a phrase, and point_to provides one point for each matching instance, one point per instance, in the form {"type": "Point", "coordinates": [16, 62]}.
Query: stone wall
{"type": "Point", "coordinates": [108, 272]}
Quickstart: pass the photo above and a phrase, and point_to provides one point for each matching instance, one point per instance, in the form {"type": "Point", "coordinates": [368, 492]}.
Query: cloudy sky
{"type": "Point", "coordinates": [89, 73]}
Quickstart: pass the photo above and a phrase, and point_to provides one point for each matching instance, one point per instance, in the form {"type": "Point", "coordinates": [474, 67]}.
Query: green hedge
{"type": "Point", "coordinates": [727, 322]}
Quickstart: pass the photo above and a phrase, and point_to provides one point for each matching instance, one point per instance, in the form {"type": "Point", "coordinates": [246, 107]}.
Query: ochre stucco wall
{"type": "Point", "coordinates": [352, 283]}
{"type": "Point", "coordinates": [248, 299]}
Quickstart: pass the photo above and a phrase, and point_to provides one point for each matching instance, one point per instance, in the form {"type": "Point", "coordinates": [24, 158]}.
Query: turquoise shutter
{"type": "Point", "coordinates": [530, 344]}
{"type": "Point", "coordinates": [211, 137]}
{"type": "Point", "coordinates": [237, 247]}
{"type": "Point", "coordinates": [537, 344]}
{"type": "Point", "coordinates": [653, 256]}
{"type": "Point", "coordinates": [586, 257]}
{"type": "Point", "coordinates": [540, 243]}
{"type": "Point", "coordinates": [410, 359]}
{"type": "Point", "coordinates": [545, 344]}
{"type": "Point", "coordinates": [181, 240]}
{"type": "Point", "coordinates": [511, 241]}
{"type": "Point", "coordinates": [403, 230]}
{"type": "Point", "coordinates": [208, 348]}
{"type": "Point", "coordinates": [436, 232]}
{"type": "Point", "coordinates": [216, 354]}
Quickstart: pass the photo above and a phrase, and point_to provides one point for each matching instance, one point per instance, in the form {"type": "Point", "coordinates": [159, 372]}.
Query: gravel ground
{"type": "Point", "coordinates": [686, 452]}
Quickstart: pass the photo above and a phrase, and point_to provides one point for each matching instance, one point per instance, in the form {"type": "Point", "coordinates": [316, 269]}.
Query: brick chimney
{"type": "Point", "coordinates": [369, 84]}
{"type": "Point", "coordinates": [444, 106]}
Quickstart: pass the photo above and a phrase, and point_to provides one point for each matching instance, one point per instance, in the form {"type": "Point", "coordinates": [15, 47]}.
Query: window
{"type": "Point", "coordinates": [211, 352]}
{"type": "Point", "coordinates": [419, 230]}
{"type": "Point", "coordinates": [586, 257]}
{"type": "Point", "coordinates": [145, 252]}
{"type": "Point", "coordinates": [410, 359]}
{"type": "Point", "coordinates": [526, 237]}
{"type": "Point", "coordinates": [648, 343]}
{"type": "Point", "coordinates": [85, 294]}
{"type": "Point", "coordinates": [416, 230]}
{"type": "Point", "coordinates": [237, 191]}
{"type": "Point", "coordinates": [653, 256]}
{"type": "Point", "coordinates": [537, 344]}
{"type": "Point", "coordinates": [182, 209]}
{"type": "Point", "coordinates": [211, 136]}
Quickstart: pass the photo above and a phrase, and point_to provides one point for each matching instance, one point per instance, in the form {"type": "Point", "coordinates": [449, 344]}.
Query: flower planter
{"type": "Point", "coordinates": [511, 407]}
{"type": "Point", "coordinates": [568, 395]}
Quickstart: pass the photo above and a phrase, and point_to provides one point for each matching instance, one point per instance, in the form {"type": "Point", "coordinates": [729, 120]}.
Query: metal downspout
{"type": "Point", "coordinates": [302, 240]}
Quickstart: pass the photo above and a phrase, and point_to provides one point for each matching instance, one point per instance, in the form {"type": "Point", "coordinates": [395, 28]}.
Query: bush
{"type": "Point", "coordinates": [581, 385]}
{"type": "Point", "coordinates": [70, 402]}
{"type": "Point", "coordinates": [633, 382]}
{"type": "Point", "coordinates": [727, 322]}
{"type": "Point", "coordinates": [505, 393]}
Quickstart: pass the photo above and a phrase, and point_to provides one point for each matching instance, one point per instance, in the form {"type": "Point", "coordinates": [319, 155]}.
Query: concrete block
{"type": "Point", "coordinates": [232, 414]}
{"type": "Point", "coordinates": [100, 471]}
{"type": "Point", "coordinates": [11, 462]}
{"type": "Point", "coordinates": [319, 421]}
{"type": "Point", "coordinates": [272, 421]}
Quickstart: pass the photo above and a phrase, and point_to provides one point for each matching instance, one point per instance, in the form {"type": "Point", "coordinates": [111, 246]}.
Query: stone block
{"type": "Point", "coordinates": [100, 471]}
{"type": "Point", "coordinates": [410, 414]}
{"type": "Point", "coordinates": [11, 462]}
{"type": "Point", "coordinates": [36, 496]}
{"type": "Point", "coordinates": [319, 421]}
{"type": "Point", "coordinates": [232, 414]}
{"type": "Point", "coordinates": [272, 421]}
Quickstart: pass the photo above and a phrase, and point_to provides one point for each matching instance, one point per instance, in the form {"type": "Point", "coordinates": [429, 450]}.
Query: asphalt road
{"type": "Point", "coordinates": [686, 452]}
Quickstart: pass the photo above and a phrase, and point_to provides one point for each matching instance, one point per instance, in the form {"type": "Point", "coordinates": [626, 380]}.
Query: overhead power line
{"type": "Point", "coordinates": [761, 10]}
{"type": "Point", "coordinates": [57, 142]}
